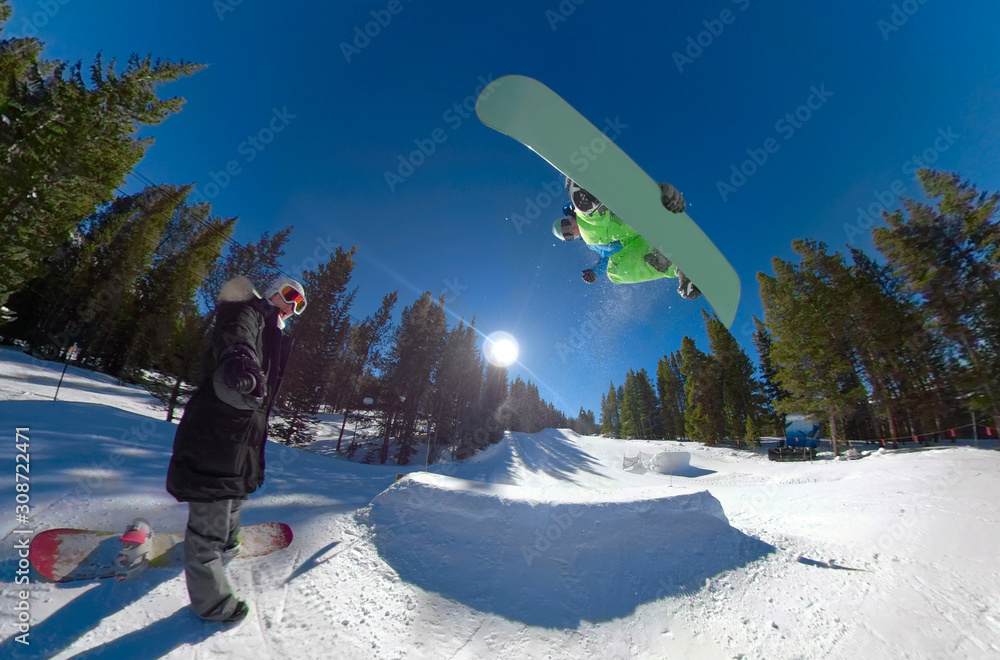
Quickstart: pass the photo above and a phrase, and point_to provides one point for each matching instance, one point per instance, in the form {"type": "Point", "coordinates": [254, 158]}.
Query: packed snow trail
{"type": "Point", "coordinates": [433, 566]}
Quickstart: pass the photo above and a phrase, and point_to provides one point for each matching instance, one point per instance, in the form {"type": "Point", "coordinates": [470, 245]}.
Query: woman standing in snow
{"type": "Point", "coordinates": [218, 456]}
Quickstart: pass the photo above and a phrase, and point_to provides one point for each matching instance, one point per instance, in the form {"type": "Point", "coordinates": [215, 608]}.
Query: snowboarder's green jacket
{"type": "Point", "coordinates": [627, 265]}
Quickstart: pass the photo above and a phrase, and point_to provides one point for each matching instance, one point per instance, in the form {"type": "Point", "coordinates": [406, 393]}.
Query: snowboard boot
{"type": "Point", "coordinates": [582, 200]}
{"type": "Point", "coordinates": [672, 198]}
{"type": "Point", "coordinates": [686, 287]}
{"type": "Point", "coordinates": [240, 613]}
{"type": "Point", "coordinates": [229, 554]}
{"type": "Point", "coordinates": [657, 261]}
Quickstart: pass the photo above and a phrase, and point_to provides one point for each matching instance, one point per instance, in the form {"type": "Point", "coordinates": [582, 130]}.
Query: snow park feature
{"type": "Point", "coordinates": [666, 462]}
{"type": "Point", "coordinates": [557, 574]}
{"type": "Point", "coordinates": [729, 556]}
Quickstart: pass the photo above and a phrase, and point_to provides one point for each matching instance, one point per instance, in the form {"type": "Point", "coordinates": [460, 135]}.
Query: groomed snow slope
{"type": "Point", "coordinates": [435, 566]}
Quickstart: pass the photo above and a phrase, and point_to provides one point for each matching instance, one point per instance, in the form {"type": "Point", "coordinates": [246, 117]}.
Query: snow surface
{"type": "Point", "coordinates": [542, 546]}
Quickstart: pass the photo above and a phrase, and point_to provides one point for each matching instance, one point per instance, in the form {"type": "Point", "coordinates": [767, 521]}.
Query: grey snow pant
{"type": "Point", "coordinates": [212, 527]}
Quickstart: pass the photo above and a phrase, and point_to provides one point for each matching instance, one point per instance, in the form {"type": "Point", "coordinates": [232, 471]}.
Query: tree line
{"type": "Point", "coordinates": [129, 282]}
{"type": "Point", "coordinates": [897, 348]}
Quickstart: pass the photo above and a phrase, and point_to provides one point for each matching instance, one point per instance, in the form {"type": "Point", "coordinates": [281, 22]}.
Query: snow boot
{"type": "Point", "coordinates": [583, 201]}
{"type": "Point", "coordinates": [672, 198]}
{"type": "Point", "coordinates": [240, 613]}
{"type": "Point", "coordinates": [686, 287]}
{"type": "Point", "coordinates": [657, 261]}
{"type": "Point", "coordinates": [229, 554]}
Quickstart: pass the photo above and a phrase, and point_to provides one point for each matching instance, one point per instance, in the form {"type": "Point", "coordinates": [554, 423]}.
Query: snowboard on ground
{"type": "Point", "coordinates": [534, 115]}
{"type": "Point", "coordinates": [68, 555]}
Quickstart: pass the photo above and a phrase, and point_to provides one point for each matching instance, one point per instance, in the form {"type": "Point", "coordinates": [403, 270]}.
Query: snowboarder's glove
{"type": "Point", "coordinates": [241, 373]}
{"type": "Point", "coordinates": [589, 276]}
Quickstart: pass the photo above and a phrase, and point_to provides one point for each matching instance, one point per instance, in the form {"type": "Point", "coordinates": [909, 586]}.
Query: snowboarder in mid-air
{"type": "Point", "coordinates": [625, 255]}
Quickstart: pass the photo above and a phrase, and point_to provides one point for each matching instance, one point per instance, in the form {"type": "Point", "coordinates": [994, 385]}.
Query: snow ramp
{"type": "Point", "coordinates": [550, 557]}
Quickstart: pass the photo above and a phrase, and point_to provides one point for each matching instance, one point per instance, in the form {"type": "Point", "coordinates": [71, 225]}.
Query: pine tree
{"type": "Point", "coordinates": [772, 392]}
{"type": "Point", "coordinates": [812, 346]}
{"type": "Point", "coordinates": [320, 336]}
{"type": "Point", "coordinates": [91, 290]}
{"type": "Point", "coordinates": [180, 359]}
{"type": "Point", "coordinates": [457, 380]}
{"type": "Point", "coordinates": [488, 423]}
{"type": "Point", "coordinates": [167, 289]}
{"type": "Point", "coordinates": [649, 406]}
{"type": "Point", "coordinates": [741, 392]}
{"type": "Point", "coordinates": [631, 410]}
{"type": "Point", "coordinates": [611, 425]}
{"type": "Point", "coordinates": [948, 257]}
{"type": "Point", "coordinates": [704, 416]}
{"type": "Point", "coordinates": [364, 353]}
{"type": "Point", "coordinates": [670, 387]}
{"type": "Point", "coordinates": [417, 348]}
{"type": "Point", "coordinates": [66, 145]}
{"type": "Point", "coordinates": [900, 360]}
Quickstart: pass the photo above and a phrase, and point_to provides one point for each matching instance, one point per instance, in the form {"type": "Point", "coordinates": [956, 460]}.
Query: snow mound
{"type": "Point", "coordinates": [552, 558]}
{"type": "Point", "coordinates": [674, 463]}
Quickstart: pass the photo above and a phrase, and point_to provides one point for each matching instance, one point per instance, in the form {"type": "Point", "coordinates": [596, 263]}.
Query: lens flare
{"type": "Point", "coordinates": [500, 349]}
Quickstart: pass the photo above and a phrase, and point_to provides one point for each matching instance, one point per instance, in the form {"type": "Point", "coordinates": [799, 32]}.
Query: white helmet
{"type": "Point", "coordinates": [563, 229]}
{"type": "Point", "coordinates": [290, 291]}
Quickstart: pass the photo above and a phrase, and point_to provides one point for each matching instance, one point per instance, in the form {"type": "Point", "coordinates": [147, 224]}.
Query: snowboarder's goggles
{"type": "Point", "coordinates": [567, 229]}
{"type": "Point", "coordinates": [292, 296]}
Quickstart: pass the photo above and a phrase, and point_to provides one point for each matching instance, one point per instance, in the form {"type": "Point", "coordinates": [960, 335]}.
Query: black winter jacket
{"type": "Point", "coordinates": [219, 445]}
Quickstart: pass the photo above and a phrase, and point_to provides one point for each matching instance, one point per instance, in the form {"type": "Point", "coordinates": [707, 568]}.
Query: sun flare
{"type": "Point", "coordinates": [501, 349]}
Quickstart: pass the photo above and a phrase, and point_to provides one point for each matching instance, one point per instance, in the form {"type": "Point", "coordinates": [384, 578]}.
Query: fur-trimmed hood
{"type": "Point", "coordinates": [238, 289]}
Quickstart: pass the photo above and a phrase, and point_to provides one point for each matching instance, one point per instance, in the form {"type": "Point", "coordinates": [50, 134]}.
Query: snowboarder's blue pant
{"type": "Point", "coordinates": [212, 527]}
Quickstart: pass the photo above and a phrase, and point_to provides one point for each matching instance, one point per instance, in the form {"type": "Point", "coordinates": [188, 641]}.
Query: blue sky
{"type": "Point", "coordinates": [697, 87]}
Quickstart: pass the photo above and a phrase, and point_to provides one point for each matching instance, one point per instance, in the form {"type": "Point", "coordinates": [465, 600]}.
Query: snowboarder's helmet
{"type": "Point", "coordinates": [563, 229]}
{"type": "Point", "coordinates": [290, 291]}
{"type": "Point", "coordinates": [583, 201]}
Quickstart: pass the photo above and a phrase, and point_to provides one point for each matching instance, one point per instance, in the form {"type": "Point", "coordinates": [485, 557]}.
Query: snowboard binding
{"type": "Point", "coordinates": [137, 542]}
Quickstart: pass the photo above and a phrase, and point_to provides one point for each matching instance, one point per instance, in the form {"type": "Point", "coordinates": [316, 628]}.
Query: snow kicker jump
{"type": "Point", "coordinates": [552, 558]}
{"type": "Point", "coordinates": [534, 115]}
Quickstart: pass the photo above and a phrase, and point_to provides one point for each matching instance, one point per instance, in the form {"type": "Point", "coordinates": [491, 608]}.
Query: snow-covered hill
{"type": "Point", "coordinates": [543, 546]}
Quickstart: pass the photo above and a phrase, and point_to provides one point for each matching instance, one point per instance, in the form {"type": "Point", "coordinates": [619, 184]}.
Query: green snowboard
{"type": "Point", "coordinates": [540, 119]}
